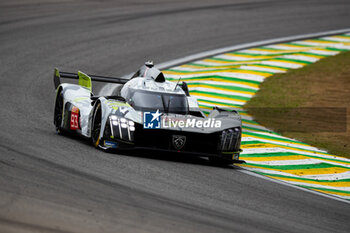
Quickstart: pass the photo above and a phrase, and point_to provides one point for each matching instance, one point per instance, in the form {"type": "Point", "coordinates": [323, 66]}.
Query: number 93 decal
{"type": "Point", "coordinates": [74, 118]}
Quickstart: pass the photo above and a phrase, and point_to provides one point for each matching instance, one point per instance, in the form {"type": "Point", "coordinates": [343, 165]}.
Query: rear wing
{"type": "Point", "coordinates": [84, 79]}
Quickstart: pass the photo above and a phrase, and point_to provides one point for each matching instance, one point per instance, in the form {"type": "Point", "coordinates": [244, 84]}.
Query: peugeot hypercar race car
{"type": "Point", "coordinates": [145, 112]}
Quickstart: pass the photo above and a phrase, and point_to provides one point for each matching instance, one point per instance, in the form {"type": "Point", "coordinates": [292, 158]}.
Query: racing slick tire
{"type": "Point", "coordinates": [96, 125]}
{"type": "Point", "coordinates": [58, 114]}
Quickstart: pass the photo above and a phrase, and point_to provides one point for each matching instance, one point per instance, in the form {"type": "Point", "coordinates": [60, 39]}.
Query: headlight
{"type": "Point", "coordinates": [122, 128]}
{"type": "Point", "coordinates": [229, 139]}
{"type": "Point", "coordinates": [124, 123]}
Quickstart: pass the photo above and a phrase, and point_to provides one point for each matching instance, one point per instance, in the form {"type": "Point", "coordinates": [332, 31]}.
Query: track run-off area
{"type": "Point", "coordinates": [231, 79]}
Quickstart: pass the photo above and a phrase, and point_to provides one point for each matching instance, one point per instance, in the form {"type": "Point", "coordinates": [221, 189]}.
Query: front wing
{"type": "Point", "coordinates": [224, 144]}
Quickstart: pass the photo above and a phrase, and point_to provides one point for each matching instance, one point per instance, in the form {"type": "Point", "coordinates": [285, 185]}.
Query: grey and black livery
{"type": "Point", "coordinates": [116, 122]}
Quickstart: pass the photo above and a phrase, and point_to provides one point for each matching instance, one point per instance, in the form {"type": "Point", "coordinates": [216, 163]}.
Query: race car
{"type": "Point", "coordinates": [145, 112]}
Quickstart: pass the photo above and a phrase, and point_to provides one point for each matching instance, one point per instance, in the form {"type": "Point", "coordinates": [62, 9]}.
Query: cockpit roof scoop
{"type": "Point", "coordinates": [149, 71]}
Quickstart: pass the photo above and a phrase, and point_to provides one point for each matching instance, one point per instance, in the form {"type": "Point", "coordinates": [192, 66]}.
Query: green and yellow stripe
{"type": "Point", "coordinates": [233, 78]}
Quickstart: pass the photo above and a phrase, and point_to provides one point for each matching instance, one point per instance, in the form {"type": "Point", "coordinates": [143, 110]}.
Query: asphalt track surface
{"type": "Point", "coordinates": [51, 183]}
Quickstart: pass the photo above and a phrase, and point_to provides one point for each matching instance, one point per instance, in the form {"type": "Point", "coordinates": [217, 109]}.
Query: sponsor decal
{"type": "Point", "coordinates": [110, 144]}
{"type": "Point", "coordinates": [74, 118]}
{"type": "Point", "coordinates": [175, 122]}
{"type": "Point", "coordinates": [179, 141]}
{"type": "Point", "coordinates": [155, 120]}
{"type": "Point", "coordinates": [151, 120]}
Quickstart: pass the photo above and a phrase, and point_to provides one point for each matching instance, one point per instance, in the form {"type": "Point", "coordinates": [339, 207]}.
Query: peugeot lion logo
{"type": "Point", "coordinates": [179, 141]}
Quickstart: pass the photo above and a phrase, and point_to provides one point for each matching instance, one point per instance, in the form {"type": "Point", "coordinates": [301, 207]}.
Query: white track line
{"type": "Point", "coordinates": [291, 185]}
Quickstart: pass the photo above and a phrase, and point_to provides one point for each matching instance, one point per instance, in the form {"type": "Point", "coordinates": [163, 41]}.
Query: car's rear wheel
{"type": "Point", "coordinates": [96, 125]}
{"type": "Point", "coordinates": [58, 114]}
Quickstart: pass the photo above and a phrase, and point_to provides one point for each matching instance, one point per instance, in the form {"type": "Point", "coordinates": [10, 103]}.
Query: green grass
{"type": "Point", "coordinates": [294, 104]}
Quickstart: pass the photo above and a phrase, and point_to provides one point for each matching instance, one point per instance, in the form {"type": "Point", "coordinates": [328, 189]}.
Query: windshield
{"type": "Point", "coordinates": [165, 102]}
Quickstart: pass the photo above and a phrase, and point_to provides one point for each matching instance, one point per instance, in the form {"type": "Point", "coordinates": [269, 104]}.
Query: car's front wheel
{"type": "Point", "coordinates": [58, 114]}
{"type": "Point", "coordinates": [96, 125]}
